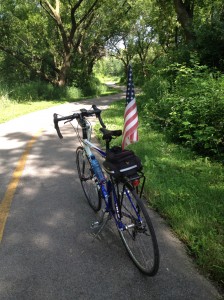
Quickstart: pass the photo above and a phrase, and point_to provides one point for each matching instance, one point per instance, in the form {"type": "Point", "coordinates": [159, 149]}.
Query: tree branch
{"type": "Point", "coordinates": [54, 13]}
{"type": "Point", "coordinates": [87, 13]}
{"type": "Point", "coordinates": [75, 25]}
{"type": "Point", "coordinates": [73, 21]}
{"type": "Point", "coordinates": [48, 12]}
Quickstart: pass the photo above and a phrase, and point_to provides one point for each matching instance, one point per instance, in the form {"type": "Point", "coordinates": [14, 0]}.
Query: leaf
{"type": "Point", "coordinates": [186, 123]}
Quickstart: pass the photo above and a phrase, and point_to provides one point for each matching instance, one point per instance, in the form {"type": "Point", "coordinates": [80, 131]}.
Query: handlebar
{"type": "Point", "coordinates": [98, 115]}
{"type": "Point", "coordinates": [83, 113]}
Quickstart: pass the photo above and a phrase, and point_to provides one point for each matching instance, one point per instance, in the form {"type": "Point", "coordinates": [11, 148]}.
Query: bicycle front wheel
{"type": "Point", "coordinates": [138, 235]}
{"type": "Point", "coordinates": [88, 179]}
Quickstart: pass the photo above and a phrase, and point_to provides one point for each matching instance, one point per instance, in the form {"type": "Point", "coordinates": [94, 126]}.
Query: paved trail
{"type": "Point", "coordinates": [47, 250]}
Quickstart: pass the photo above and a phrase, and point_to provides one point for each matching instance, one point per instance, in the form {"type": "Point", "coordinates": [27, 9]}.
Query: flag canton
{"type": "Point", "coordinates": [130, 94]}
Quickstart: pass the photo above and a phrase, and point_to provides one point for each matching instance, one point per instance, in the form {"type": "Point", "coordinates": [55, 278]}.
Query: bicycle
{"type": "Point", "coordinates": [121, 190]}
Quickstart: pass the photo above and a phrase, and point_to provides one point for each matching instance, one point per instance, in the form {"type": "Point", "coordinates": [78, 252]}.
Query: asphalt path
{"type": "Point", "coordinates": [48, 250]}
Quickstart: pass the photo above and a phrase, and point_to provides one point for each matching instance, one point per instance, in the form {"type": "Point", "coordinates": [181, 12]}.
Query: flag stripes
{"type": "Point", "coordinates": [130, 133]}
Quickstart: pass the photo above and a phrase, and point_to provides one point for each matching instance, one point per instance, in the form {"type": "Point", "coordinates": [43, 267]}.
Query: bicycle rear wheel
{"type": "Point", "coordinates": [139, 236]}
{"type": "Point", "coordinates": [88, 179]}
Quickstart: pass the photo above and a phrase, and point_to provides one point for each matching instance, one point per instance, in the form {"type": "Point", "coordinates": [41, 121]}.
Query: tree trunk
{"type": "Point", "coordinates": [64, 69]}
{"type": "Point", "coordinates": [184, 11]}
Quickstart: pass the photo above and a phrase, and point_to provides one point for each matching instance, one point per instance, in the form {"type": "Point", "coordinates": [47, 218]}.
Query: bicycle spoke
{"type": "Point", "coordinates": [89, 184]}
{"type": "Point", "coordinates": [139, 237]}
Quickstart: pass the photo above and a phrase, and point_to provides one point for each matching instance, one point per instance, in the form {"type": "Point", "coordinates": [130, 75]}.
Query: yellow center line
{"type": "Point", "coordinates": [12, 186]}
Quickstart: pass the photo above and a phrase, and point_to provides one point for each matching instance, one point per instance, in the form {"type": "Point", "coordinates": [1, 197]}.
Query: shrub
{"type": "Point", "coordinates": [4, 98]}
{"type": "Point", "coordinates": [92, 87]}
{"type": "Point", "coordinates": [38, 90]}
{"type": "Point", "coordinates": [189, 104]}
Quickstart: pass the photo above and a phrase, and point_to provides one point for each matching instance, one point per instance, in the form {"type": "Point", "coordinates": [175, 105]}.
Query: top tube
{"type": "Point", "coordinates": [90, 145]}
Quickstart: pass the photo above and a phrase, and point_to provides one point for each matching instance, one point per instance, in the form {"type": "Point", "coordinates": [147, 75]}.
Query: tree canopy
{"type": "Point", "coordinates": [60, 41]}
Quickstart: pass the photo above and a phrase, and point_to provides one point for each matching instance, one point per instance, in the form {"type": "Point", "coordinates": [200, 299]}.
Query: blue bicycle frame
{"type": "Point", "coordinates": [108, 189]}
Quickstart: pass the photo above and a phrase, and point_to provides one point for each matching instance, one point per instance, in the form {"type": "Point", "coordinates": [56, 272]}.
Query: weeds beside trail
{"type": "Point", "coordinates": [28, 98]}
{"type": "Point", "coordinates": [186, 189]}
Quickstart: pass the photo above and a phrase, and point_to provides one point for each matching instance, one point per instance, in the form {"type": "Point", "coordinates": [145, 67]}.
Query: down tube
{"type": "Point", "coordinates": [117, 214]}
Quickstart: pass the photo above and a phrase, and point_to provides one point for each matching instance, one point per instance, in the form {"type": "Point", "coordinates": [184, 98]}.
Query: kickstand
{"type": "Point", "coordinates": [100, 224]}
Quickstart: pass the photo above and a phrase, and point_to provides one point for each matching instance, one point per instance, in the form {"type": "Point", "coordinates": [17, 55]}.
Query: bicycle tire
{"type": "Point", "coordinates": [87, 179]}
{"type": "Point", "coordinates": [139, 239]}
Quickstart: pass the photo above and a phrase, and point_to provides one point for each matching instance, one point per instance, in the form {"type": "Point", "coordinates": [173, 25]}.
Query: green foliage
{"type": "Point", "coordinates": [109, 66]}
{"type": "Point", "coordinates": [45, 42]}
{"type": "Point", "coordinates": [92, 87]}
{"type": "Point", "coordinates": [35, 91]}
{"type": "Point", "coordinates": [188, 103]}
{"type": "Point", "coordinates": [4, 98]}
{"type": "Point", "coordinates": [210, 44]}
{"type": "Point", "coordinates": [209, 30]}
{"type": "Point", "coordinates": [20, 99]}
{"type": "Point", "coordinates": [157, 87]}
{"type": "Point", "coordinates": [38, 90]}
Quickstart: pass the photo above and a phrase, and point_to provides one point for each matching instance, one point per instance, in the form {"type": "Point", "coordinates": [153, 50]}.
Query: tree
{"type": "Point", "coordinates": [72, 36]}
{"type": "Point", "coordinates": [59, 41]}
{"type": "Point", "coordinates": [16, 39]}
{"type": "Point", "coordinates": [48, 37]}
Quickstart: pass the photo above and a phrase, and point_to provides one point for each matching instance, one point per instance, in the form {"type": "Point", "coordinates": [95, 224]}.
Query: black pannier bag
{"type": "Point", "coordinates": [120, 163]}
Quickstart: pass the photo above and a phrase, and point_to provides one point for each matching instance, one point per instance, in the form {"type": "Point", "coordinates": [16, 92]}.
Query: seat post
{"type": "Point", "coordinates": [108, 140]}
{"type": "Point", "coordinates": [107, 144]}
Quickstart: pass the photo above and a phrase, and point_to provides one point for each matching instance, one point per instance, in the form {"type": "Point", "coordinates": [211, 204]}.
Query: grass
{"type": "Point", "coordinates": [15, 109]}
{"type": "Point", "coordinates": [187, 190]}
{"type": "Point", "coordinates": [105, 79]}
{"type": "Point", "coordinates": [10, 108]}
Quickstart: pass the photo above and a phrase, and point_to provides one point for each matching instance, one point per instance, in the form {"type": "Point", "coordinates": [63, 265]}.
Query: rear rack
{"type": "Point", "coordinates": [132, 178]}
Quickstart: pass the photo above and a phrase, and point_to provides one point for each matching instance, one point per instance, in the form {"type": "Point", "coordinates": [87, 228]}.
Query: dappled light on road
{"type": "Point", "coordinates": [48, 250]}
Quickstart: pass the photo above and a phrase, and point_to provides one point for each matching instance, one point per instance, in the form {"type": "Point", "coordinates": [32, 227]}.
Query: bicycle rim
{"type": "Point", "coordinates": [139, 237]}
{"type": "Point", "coordinates": [87, 179]}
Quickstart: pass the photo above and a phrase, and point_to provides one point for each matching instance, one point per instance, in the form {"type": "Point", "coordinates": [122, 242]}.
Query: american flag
{"type": "Point", "coordinates": [130, 132]}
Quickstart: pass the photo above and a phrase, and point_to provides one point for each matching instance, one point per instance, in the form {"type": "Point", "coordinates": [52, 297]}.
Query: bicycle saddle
{"type": "Point", "coordinates": [108, 134]}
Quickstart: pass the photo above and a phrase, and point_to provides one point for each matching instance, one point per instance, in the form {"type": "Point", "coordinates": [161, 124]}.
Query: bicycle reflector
{"type": "Point", "coordinates": [135, 182]}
